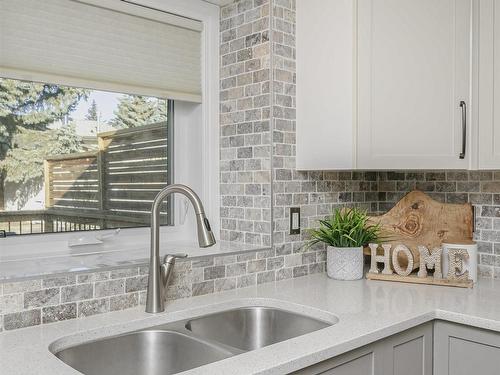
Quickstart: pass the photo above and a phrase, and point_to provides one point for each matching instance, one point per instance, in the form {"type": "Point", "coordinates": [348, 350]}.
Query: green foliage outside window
{"type": "Point", "coordinates": [134, 111]}
{"type": "Point", "coordinates": [26, 111]}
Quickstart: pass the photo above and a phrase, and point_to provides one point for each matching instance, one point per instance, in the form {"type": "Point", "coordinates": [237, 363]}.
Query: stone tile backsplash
{"type": "Point", "coordinates": [47, 300]}
{"type": "Point", "coordinates": [259, 184]}
{"type": "Point", "coordinates": [245, 130]}
{"type": "Point", "coordinates": [318, 192]}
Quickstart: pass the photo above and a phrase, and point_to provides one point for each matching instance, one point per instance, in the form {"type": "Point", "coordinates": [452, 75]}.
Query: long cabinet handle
{"type": "Point", "coordinates": [463, 105]}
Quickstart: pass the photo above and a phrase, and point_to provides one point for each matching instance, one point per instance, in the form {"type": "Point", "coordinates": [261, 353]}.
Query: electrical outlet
{"type": "Point", "coordinates": [294, 220]}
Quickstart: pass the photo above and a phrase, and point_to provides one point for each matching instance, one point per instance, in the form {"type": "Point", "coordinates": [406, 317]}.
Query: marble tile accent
{"type": "Point", "coordinates": [11, 303]}
{"type": "Point", "coordinates": [246, 281]}
{"type": "Point", "coordinates": [109, 288]}
{"type": "Point", "coordinates": [215, 272]}
{"type": "Point", "coordinates": [23, 286]}
{"type": "Point", "coordinates": [77, 292]}
{"type": "Point", "coordinates": [22, 319]}
{"type": "Point", "coordinates": [123, 301]}
{"type": "Point", "coordinates": [93, 307]}
{"type": "Point", "coordinates": [205, 287]}
{"type": "Point", "coordinates": [39, 298]}
{"type": "Point", "coordinates": [58, 313]}
{"type": "Point", "coordinates": [236, 269]}
{"type": "Point", "coordinates": [224, 284]}
{"type": "Point", "coordinates": [59, 281]}
{"type": "Point", "coordinates": [134, 284]}
{"type": "Point", "coordinates": [256, 265]}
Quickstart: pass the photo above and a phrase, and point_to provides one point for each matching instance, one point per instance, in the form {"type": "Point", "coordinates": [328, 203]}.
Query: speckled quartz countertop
{"type": "Point", "coordinates": [367, 311]}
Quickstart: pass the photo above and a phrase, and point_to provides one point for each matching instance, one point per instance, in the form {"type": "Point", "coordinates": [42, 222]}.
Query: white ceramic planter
{"type": "Point", "coordinates": [344, 263]}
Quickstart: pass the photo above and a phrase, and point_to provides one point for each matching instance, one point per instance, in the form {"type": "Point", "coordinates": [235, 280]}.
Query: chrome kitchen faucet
{"type": "Point", "coordinates": [159, 274]}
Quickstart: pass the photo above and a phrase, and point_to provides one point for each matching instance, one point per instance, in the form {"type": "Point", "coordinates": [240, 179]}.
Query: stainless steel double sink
{"type": "Point", "coordinates": [183, 345]}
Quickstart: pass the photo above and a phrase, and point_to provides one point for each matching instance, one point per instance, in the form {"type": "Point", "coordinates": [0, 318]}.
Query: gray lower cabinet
{"type": "Point", "coordinates": [358, 362]}
{"type": "Point", "coordinates": [406, 353]}
{"type": "Point", "coordinates": [438, 348]}
{"type": "Point", "coordinates": [463, 350]}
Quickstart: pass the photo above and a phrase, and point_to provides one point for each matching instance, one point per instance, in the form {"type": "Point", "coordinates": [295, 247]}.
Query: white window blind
{"type": "Point", "coordinates": [146, 52]}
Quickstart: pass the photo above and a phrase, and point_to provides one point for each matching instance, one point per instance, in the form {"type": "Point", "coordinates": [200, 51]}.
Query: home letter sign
{"type": "Point", "coordinates": [456, 276]}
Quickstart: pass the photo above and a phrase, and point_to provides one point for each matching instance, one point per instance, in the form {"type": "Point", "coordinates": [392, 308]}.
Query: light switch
{"type": "Point", "coordinates": [294, 220]}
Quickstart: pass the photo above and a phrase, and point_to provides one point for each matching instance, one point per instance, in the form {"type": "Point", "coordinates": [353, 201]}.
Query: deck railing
{"type": "Point", "coordinates": [113, 186]}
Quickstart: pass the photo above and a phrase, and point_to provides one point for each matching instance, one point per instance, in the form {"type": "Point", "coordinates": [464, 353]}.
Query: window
{"type": "Point", "coordinates": [153, 48]}
{"type": "Point", "coordinates": [80, 159]}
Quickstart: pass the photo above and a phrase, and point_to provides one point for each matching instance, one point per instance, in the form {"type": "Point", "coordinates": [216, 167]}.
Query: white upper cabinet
{"type": "Point", "coordinates": [384, 84]}
{"type": "Point", "coordinates": [325, 73]}
{"type": "Point", "coordinates": [489, 85]}
{"type": "Point", "coordinates": [413, 73]}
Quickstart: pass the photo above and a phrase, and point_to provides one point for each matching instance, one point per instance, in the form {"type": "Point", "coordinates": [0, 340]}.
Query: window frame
{"type": "Point", "coordinates": [208, 180]}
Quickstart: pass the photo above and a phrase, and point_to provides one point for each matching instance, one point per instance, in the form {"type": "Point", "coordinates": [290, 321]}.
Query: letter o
{"type": "Point", "coordinates": [395, 260]}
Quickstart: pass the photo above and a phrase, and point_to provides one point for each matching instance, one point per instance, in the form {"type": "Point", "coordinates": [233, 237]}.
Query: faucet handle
{"type": "Point", "coordinates": [170, 258]}
{"type": "Point", "coordinates": [167, 267]}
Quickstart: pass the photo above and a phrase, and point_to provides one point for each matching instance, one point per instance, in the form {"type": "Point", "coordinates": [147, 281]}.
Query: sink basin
{"type": "Point", "coordinates": [185, 344]}
{"type": "Point", "coordinates": [150, 352]}
{"type": "Point", "coordinates": [251, 328]}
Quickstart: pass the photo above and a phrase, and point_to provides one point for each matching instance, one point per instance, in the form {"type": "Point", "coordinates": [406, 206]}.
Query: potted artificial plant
{"type": "Point", "coordinates": [345, 233]}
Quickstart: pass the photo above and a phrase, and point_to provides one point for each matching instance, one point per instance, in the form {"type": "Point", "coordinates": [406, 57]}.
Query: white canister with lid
{"type": "Point", "coordinates": [469, 265]}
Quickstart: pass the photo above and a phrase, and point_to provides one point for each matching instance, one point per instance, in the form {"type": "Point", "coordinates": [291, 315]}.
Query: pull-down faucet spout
{"type": "Point", "coordinates": [155, 302]}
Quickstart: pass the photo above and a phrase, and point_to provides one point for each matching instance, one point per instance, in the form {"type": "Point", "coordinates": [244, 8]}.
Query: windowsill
{"type": "Point", "coordinates": [103, 257]}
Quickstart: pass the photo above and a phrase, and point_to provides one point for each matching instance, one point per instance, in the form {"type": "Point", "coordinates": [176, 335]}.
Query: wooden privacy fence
{"type": "Point", "coordinates": [118, 181]}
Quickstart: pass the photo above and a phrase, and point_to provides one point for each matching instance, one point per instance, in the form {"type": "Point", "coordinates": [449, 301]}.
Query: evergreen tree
{"type": "Point", "coordinates": [26, 109]}
{"type": "Point", "coordinates": [24, 162]}
{"type": "Point", "coordinates": [134, 111]}
{"type": "Point", "coordinates": [92, 113]}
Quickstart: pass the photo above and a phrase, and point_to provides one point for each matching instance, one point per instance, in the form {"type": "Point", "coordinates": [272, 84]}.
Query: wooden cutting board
{"type": "Point", "coordinates": [417, 219]}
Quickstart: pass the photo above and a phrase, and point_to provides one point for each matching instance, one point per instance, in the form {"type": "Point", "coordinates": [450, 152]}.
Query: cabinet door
{"type": "Point", "coordinates": [413, 72]}
{"type": "Point", "coordinates": [489, 85]}
{"type": "Point", "coordinates": [358, 362]}
{"type": "Point", "coordinates": [407, 353]}
{"type": "Point", "coordinates": [325, 71]}
{"type": "Point", "coordinates": [463, 350]}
